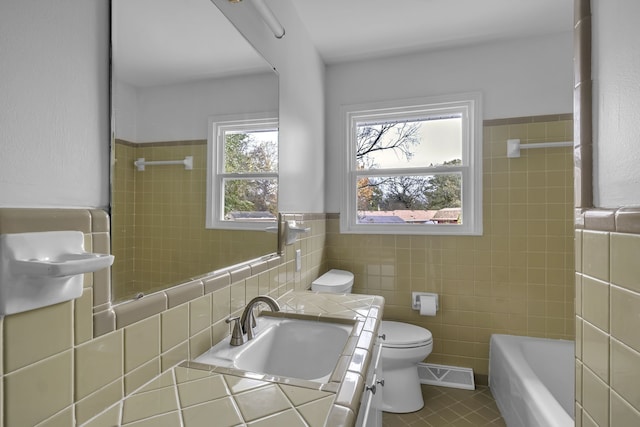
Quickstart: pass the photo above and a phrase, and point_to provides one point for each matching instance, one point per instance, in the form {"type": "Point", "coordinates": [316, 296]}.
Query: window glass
{"type": "Point", "coordinates": [413, 168]}
{"type": "Point", "coordinates": [251, 151]}
{"type": "Point", "coordinates": [250, 199]}
{"type": "Point", "coordinates": [417, 143]}
{"type": "Point", "coordinates": [243, 173]}
{"type": "Point", "coordinates": [410, 199]}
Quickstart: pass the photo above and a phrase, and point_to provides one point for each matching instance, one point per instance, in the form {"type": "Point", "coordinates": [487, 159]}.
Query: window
{"type": "Point", "coordinates": [242, 181]}
{"type": "Point", "coordinates": [414, 167]}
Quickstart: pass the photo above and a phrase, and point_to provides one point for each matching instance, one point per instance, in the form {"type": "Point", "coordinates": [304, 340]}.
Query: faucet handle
{"type": "Point", "coordinates": [236, 335]}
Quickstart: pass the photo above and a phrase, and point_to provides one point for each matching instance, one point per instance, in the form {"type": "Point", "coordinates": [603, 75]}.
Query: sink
{"type": "Point", "coordinates": [295, 348]}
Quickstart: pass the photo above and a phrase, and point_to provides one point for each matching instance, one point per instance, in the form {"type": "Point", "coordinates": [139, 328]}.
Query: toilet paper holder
{"type": "Point", "coordinates": [415, 299]}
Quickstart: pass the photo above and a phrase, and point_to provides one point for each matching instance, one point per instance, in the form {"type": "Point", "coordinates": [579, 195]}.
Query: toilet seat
{"type": "Point", "coordinates": [404, 335]}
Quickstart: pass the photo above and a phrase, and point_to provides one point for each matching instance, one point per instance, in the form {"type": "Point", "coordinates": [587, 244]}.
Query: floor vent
{"type": "Point", "coordinates": [446, 376]}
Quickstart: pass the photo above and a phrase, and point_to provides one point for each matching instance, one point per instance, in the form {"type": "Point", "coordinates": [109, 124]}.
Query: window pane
{"type": "Point", "coordinates": [250, 199]}
{"type": "Point", "coordinates": [409, 144]}
{"type": "Point", "coordinates": [254, 151]}
{"type": "Point", "coordinates": [417, 199]}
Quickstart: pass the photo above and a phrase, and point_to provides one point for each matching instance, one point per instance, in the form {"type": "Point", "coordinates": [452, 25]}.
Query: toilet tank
{"type": "Point", "coordinates": [334, 281]}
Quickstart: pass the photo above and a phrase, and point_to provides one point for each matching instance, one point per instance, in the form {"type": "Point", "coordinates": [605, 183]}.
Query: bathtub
{"type": "Point", "coordinates": [532, 380]}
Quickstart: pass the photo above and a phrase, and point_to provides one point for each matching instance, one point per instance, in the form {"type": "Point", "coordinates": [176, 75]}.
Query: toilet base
{"type": "Point", "coordinates": [402, 392]}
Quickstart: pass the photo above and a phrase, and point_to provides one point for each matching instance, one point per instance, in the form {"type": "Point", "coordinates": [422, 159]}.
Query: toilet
{"type": "Point", "coordinates": [403, 347]}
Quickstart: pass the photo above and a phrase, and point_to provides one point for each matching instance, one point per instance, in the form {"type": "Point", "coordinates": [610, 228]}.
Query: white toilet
{"type": "Point", "coordinates": [403, 347]}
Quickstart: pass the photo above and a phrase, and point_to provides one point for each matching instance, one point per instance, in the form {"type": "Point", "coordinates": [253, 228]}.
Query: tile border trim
{"type": "Point", "coordinates": [186, 143]}
{"type": "Point", "coordinates": [619, 220]}
{"type": "Point", "coordinates": [528, 119]}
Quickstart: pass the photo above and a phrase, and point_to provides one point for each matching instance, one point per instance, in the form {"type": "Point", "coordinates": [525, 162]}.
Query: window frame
{"type": "Point", "coordinates": [469, 105]}
{"type": "Point", "coordinates": [217, 125]}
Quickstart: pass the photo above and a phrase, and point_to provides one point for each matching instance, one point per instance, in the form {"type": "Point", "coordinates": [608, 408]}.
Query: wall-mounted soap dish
{"type": "Point", "coordinates": [291, 231]}
{"type": "Point", "coordinates": [62, 265]}
{"type": "Point", "coordinates": [40, 269]}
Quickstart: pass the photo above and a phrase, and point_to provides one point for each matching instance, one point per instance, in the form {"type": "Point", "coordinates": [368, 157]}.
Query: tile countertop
{"type": "Point", "coordinates": [194, 394]}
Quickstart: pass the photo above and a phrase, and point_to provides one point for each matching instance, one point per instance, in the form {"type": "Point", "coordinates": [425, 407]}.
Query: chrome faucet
{"type": "Point", "coordinates": [248, 321]}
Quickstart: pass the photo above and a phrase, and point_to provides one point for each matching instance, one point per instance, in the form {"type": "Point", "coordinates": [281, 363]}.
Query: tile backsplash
{"type": "Point", "coordinates": [76, 358]}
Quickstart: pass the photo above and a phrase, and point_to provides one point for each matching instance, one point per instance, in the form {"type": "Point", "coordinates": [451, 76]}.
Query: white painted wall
{"type": "Point", "coordinates": [180, 112]}
{"type": "Point", "coordinates": [517, 78]}
{"type": "Point", "coordinates": [616, 96]}
{"type": "Point", "coordinates": [302, 131]}
{"type": "Point", "coordinates": [54, 122]}
{"type": "Point", "coordinates": [54, 108]}
{"type": "Point", "coordinates": [54, 118]}
{"type": "Point", "coordinates": [124, 111]}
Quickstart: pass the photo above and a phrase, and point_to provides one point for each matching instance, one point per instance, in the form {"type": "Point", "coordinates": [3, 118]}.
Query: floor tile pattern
{"type": "Point", "coordinates": [452, 408]}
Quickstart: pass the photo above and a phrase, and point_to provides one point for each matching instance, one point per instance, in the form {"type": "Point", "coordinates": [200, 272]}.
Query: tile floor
{"type": "Point", "coordinates": [450, 407]}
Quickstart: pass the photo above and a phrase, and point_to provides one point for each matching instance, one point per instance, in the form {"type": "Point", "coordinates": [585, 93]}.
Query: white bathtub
{"type": "Point", "coordinates": [532, 380]}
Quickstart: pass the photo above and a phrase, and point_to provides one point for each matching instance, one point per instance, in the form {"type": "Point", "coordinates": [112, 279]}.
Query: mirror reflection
{"type": "Point", "coordinates": [177, 65]}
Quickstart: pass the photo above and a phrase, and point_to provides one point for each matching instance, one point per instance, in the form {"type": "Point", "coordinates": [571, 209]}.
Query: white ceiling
{"type": "Point", "coordinates": [168, 41]}
{"type": "Point", "coordinates": [157, 42]}
{"type": "Point", "coordinates": [352, 29]}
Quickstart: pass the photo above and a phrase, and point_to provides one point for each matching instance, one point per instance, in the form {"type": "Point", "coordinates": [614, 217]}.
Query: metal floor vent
{"type": "Point", "coordinates": [446, 376]}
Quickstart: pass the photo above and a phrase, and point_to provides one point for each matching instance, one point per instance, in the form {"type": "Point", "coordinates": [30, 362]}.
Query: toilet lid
{"type": "Point", "coordinates": [334, 279]}
{"type": "Point", "coordinates": [398, 334]}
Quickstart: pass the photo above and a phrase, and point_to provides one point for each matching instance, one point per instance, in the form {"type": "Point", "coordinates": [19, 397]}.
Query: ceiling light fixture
{"type": "Point", "coordinates": [269, 18]}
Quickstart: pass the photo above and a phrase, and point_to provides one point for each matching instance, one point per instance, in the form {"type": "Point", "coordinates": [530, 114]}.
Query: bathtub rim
{"type": "Point", "coordinates": [542, 409]}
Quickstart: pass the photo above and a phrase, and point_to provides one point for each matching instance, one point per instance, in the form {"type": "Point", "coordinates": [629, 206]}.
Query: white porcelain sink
{"type": "Point", "coordinates": [303, 349]}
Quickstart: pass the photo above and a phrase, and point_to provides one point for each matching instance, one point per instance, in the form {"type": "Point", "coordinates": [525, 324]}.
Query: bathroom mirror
{"type": "Point", "coordinates": [175, 65]}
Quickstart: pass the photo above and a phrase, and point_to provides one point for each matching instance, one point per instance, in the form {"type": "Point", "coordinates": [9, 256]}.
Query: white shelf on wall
{"type": "Point", "coordinates": [44, 268]}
